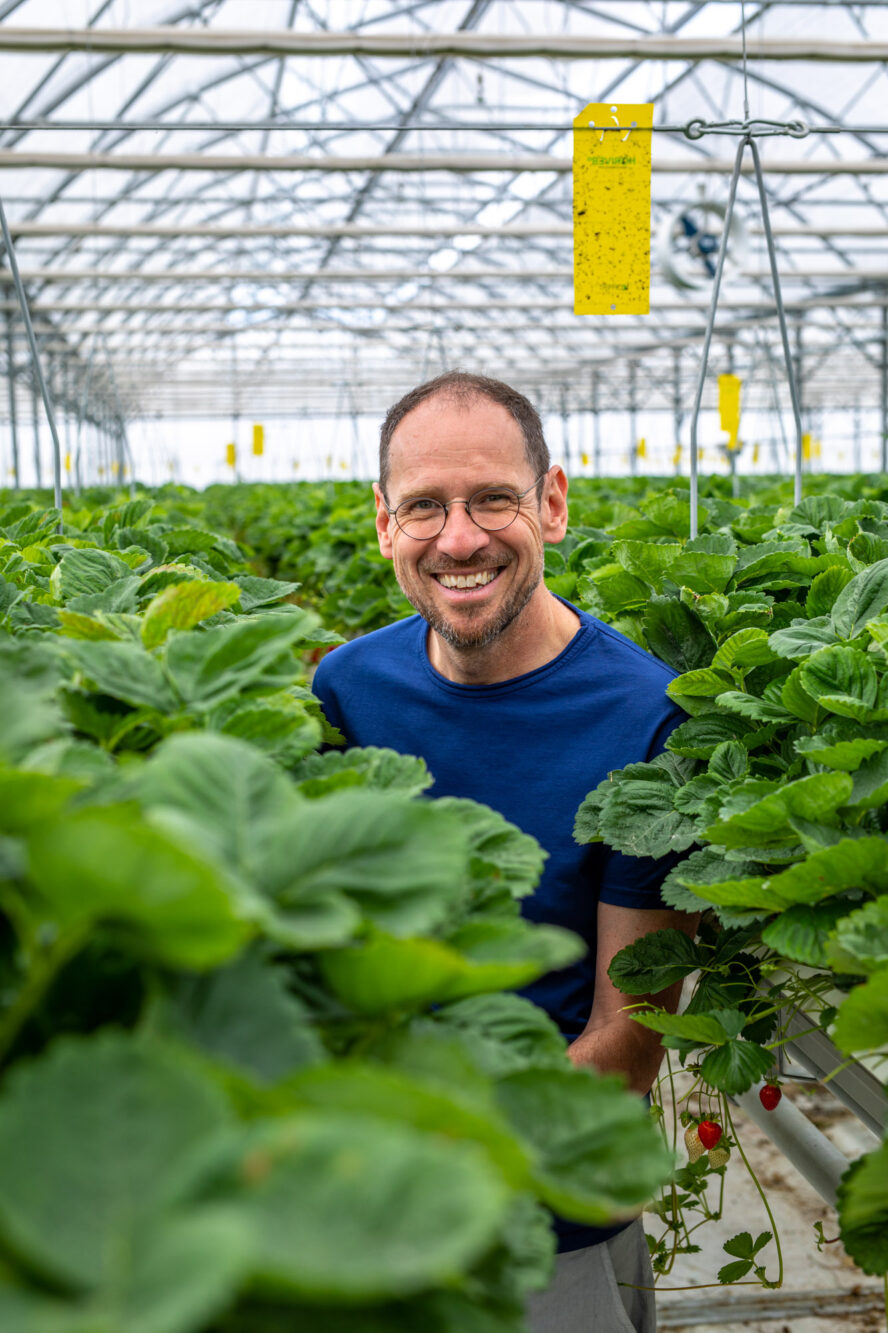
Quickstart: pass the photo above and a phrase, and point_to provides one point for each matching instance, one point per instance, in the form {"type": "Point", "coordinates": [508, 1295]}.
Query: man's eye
{"type": "Point", "coordinates": [419, 506]}
{"type": "Point", "coordinates": [493, 500]}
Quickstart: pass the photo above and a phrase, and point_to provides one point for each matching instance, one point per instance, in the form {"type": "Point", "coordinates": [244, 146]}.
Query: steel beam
{"type": "Point", "coordinates": [469, 163]}
{"type": "Point", "coordinates": [411, 45]}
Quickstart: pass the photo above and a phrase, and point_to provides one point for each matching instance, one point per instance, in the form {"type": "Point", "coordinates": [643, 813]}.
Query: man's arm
{"type": "Point", "coordinates": [611, 1041]}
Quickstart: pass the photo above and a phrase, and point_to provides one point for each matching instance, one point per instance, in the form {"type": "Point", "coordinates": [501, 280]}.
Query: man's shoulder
{"type": "Point", "coordinates": [377, 647]}
{"type": "Point", "coordinates": [636, 662]}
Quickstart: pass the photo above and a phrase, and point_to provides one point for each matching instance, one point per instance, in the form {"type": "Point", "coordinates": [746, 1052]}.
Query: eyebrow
{"type": "Point", "coordinates": [432, 492]}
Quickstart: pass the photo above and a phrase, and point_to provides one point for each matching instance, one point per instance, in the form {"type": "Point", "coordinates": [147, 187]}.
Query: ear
{"type": "Point", "coordinates": [553, 507]}
{"type": "Point", "coordinates": [384, 523]}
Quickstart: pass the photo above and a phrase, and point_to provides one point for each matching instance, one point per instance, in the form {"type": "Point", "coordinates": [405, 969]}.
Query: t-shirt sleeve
{"type": "Point", "coordinates": [634, 881]}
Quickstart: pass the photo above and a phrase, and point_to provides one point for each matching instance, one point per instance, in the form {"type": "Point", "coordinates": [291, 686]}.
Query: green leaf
{"type": "Point", "coordinates": [504, 1033]}
{"type": "Point", "coordinates": [697, 1029]}
{"type": "Point", "coordinates": [500, 853]}
{"type": "Point", "coordinates": [638, 815]}
{"type": "Point", "coordinates": [108, 865]}
{"type": "Point", "coordinates": [803, 637]}
{"type": "Point", "coordinates": [256, 592]}
{"type": "Point", "coordinates": [86, 571]}
{"type": "Point", "coordinates": [125, 671]}
{"type": "Point", "coordinates": [600, 1156]}
{"type": "Point", "coordinates": [870, 788]}
{"type": "Point", "coordinates": [862, 1021]}
{"type": "Point", "coordinates": [845, 755]}
{"type": "Point", "coordinates": [861, 938]}
{"type": "Point", "coordinates": [381, 769]}
{"type": "Point", "coordinates": [863, 1211]}
{"type": "Point", "coordinates": [801, 932]}
{"type": "Point", "coordinates": [842, 680]}
{"type": "Point", "coordinates": [649, 561]}
{"type": "Point", "coordinates": [743, 650]}
{"type": "Point", "coordinates": [824, 590]}
{"type": "Point", "coordinates": [814, 798]}
{"type": "Point", "coordinates": [184, 605]}
{"type": "Point", "coordinates": [340, 1205]}
{"type": "Point", "coordinates": [751, 706]}
{"type": "Point", "coordinates": [734, 1272]}
{"type": "Point", "coordinates": [861, 600]}
{"type": "Point", "coordinates": [706, 563]}
{"type": "Point", "coordinates": [729, 762]}
{"type": "Point", "coordinates": [225, 786]}
{"type": "Point", "coordinates": [403, 1097]}
{"type": "Point", "coordinates": [795, 698]}
{"type": "Point", "coordinates": [384, 973]}
{"type": "Point", "coordinates": [403, 863]}
{"type": "Point", "coordinates": [705, 683]}
{"type": "Point", "coordinates": [243, 1016]}
{"type": "Point", "coordinates": [676, 635]}
{"type": "Point", "coordinates": [699, 737]}
{"type": "Point", "coordinates": [654, 961]}
{"type": "Point", "coordinates": [277, 724]}
{"type": "Point", "coordinates": [735, 1066]}
{"type": "Point", "coordinates": [78, 626]}
{"type": "Point", "coordinates": [209, 667]}
{"type": "Point", "coordinates": [111, 1125]}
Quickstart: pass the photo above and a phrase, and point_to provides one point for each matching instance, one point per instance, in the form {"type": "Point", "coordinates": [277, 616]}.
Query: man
{"type": "Point", "coordinates": [517, 699]}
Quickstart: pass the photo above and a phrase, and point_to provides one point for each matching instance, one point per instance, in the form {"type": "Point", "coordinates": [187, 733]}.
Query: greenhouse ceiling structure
{"type": "Point", "coordinates": [279, 207]}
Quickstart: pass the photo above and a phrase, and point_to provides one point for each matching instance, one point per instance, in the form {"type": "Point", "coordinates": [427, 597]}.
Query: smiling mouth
{"type": "Point", "coordinates": [479, 579]}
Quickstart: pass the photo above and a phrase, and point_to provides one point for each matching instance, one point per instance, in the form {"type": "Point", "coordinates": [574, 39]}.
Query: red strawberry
{"type": "Point", "coordinates": [710, 1132]}
{"type": "Point", "coordinates": [770, 1095]}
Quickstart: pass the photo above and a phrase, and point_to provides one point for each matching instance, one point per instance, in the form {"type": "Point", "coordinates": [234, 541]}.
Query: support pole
{"type": "Point", "coordinates": [596, 427]}
{"type": "Point", "coordinates": [13, 414]}
{"type": "Point", "coordinates": [35, 407]}
{"type": "Point", "coordinates": [677, 413]}
{"type": "Point", "coordinates": [883, 451]}
{"type": "Point", "coordinates": [633, 423]}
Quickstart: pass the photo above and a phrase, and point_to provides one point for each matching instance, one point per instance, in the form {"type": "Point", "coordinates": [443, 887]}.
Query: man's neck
{"type": "Point", "coordinates": [529, 642]}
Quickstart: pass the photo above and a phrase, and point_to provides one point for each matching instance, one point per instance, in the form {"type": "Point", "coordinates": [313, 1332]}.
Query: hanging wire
{"type": "Point", "coordinates": [748, 138]}
{"type": "Point", "coordinates": [35, 361]}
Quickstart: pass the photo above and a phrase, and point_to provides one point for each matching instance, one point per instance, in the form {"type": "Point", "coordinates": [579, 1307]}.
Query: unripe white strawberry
{"type": "Point", "coordinates": [719, 1156]}
{"type": "Point", "coordinates": [692, 1143]}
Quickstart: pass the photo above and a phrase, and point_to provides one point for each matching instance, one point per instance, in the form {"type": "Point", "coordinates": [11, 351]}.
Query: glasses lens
{"type": "Point", "coordinates": [494, 508]}
{"type": "Point", "coordinates": [420, 517]}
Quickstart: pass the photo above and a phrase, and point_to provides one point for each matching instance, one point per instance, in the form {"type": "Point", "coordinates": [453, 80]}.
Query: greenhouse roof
{"type": "Point", "coordinates": [299, 206]}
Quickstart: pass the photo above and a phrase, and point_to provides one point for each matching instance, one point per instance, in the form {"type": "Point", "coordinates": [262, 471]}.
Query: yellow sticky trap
{"type": "Point", "coordinates": [231, 454]}
{"type": "Point", "coordinates": [258, 440]}
{"type": "Point", "coordinates": [817, 449]}
{"type": "Point", "coordinates": [729, 387]}
{"type": "Point", "coordinates": [755, 453]}
{"type": "Point", "coordinates": [101, 471]}
{"type": "Point", "coordinates": [612, 209]}
{"type": "Point", "coordinates": [295, 464]}
{"type": "Point", "coordinates": [676, 457]}
{"type": "Point", "coordinates": [67, 462]}
{"type": "Point", "coordinates": [584, 458]}
{"type": "Point", "coordinates": [642, 449]}
{"type": "Point", "coordinates": [806, 447]}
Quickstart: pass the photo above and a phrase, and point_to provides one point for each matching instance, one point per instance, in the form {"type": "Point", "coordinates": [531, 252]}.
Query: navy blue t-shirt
{"type": "Point", "coordinates": [531, 747]}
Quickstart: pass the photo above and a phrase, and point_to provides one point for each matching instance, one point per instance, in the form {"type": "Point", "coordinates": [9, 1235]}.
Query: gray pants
{"type": "Point", "coordinates": [584, 1296]}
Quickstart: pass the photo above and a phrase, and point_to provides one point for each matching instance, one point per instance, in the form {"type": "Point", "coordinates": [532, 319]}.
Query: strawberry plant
{"type": "Point", "coordinates": [772, 796]}
{"type": "Point", "coordinates": [262, 1066]}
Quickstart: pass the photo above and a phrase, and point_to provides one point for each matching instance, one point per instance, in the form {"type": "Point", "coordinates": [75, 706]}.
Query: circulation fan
{"type": "Point", "coordinates": [688, 242]}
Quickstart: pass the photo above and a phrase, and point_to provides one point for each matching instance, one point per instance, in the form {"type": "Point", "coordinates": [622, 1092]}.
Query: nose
{"type": "Point", "coordinates": [461, 537]}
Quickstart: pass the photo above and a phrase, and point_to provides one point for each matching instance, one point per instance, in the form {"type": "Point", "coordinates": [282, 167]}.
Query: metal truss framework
{"type": "Point", "coordinates": [211, 218]}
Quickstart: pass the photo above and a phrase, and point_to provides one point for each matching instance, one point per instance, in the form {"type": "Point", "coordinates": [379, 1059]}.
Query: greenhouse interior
{"type": "Point", "coordinates": [298, 919]}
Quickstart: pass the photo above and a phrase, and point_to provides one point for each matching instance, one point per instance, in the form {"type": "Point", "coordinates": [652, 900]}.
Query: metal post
{"type": "Point", "coordinates": [35, 358]}
{"type": "Point", "coordinates": [35, 404]}
{"type": "Point", "coordinates": [633, 424]}
{"type": "Point", "coordinates": [565, 437]}
{"type": "Point", "coordinates": [596, 427]}
{"type": "Point", "coordinates": [13, 415]}
{"type": "Point", "coordinates": [883, 451]}
{"type": "Point", "coordinates": [677, 413]}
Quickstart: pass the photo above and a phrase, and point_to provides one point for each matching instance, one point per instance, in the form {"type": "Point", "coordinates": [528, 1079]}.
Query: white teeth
{"type": "Point", "coordinates": [468, 580]}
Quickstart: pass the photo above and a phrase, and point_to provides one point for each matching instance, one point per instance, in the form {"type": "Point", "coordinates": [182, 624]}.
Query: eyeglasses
{"type": "Point", "coordinates": [492, 509]}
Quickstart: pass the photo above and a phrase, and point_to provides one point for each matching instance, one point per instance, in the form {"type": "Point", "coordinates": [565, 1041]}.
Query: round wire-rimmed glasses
{"type": "Point", "coordinates": [492, 508]}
